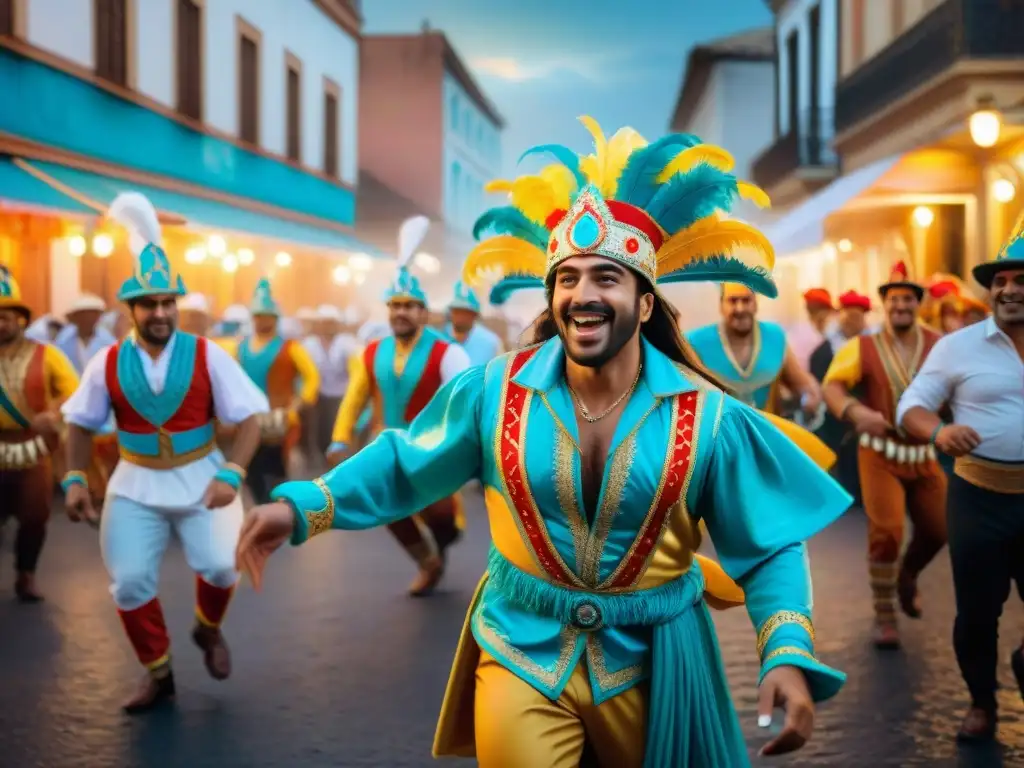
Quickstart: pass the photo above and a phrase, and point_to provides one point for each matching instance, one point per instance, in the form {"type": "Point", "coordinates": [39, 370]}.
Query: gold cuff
{"type": "Point", "coordinates": [230, 465]}
{"type": "Point", "coordinates": [321, 520]}
{"type": "Point", "coordinates": [788, 650]}
{"type": "Point", "coordinates": [775, 621]}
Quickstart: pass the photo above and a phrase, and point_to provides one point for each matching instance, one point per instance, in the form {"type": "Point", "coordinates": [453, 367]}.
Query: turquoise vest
{"type": "Point", "coordinates": [396, 391]}
{"type": "Point", "coordinates": [752, 386]}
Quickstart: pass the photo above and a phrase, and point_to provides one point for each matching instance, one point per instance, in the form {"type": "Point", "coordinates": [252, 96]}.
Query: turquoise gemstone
{"type": "Point", "coordinates": [585, 231]}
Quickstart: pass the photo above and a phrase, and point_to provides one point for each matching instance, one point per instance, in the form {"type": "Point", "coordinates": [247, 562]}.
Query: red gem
{"type": "Point", "coordinates": [632, 245]}
{"type": "Point", "coordinates": [553, 246]}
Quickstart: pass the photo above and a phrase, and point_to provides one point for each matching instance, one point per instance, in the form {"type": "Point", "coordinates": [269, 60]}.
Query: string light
{"type": "Point", "coordinates": [246, 256]}
{"type": "Point", "coordinates": [77, 246]}
{"type": "Point", "coordinates": [283, 259]}
{"type": "Point", "coordinates": [103, 245]}
{"type": "Point", "coordinates": [216, 245]}
{"type": "Point", "coordinates": [229, 263]}
{"type": "Point", "coordinates": [341, 274]}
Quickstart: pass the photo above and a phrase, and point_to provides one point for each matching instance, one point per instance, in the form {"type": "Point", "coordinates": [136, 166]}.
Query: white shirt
{"type": "Point", "coordinates": [978, 372]}
{"type": "Point", "coordinates": [332, 361]}
{"type": "Point", "coordinates": [235, 398]}
{"type": "Point", "coordinates": [454, 361]}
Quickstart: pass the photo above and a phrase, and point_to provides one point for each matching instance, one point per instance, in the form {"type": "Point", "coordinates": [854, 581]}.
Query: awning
{"type": "Point", "coordinates": [20, 190]}
{"type": "Point", "coordinates": [195, 211]}
{"type": "Point", "coordinates": [804, 226]}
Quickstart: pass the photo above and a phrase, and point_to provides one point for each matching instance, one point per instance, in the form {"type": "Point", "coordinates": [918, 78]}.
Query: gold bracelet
{"type": "Point", "coordinates": [236, 468]}
{"type": "Point", "coordinates": [788, 650]}
{"type": "Point", "coordinates": [321, 520]}
{"type": "Point", "coordinates": [775, 621]}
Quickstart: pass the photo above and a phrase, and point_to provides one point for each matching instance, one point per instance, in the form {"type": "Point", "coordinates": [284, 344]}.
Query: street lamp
{"type": "Point", "coordinates": [1003, 190]}
{"type": "Point", "coordinates": [986, 123]}
{"type": "Point", "coordinates": [923, 216]}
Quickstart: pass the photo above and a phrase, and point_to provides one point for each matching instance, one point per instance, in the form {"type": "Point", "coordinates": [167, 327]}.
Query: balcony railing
{"type": "Point", "coordinates": [806, 145]}
{"type": "Point", "coordinates": [954, 30]}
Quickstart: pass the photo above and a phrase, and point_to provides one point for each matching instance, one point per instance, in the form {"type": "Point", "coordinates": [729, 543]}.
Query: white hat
{"type": "Point", "coordinates": [236, 313]}
{"type": "Point", "coordinates": [87, 302]}
{"type": "Point", "coordinates": [195, 302]}
{"type": "Point", "coordinates": [329, 312]}
{"type": "Point", "coordinates": [352, 315]}
{"type": "Point", "coordinates": [306, 313]}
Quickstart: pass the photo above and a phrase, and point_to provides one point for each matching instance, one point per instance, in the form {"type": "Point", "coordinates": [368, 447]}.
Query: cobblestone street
{"type": "Point", "coordinates": [335, 666]}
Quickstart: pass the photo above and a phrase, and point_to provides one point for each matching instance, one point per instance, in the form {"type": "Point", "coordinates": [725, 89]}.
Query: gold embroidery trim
{"type": "Point", "coordinates": [167, 460]}
{"type": "Point", "coordinates": [13, 372]}
{"type": "Point", "coordinates": [606, 680]}
{"type": "Point", "coordinates": [322, 519]}
{"type": "Point", "coordinates": [755, 352]}
{"type": "Point", "coordinates": [788, 650]}
{"type": "Point", "coordinates": [618, 475]}
{"type": "Point", "coordinates": [565, 489]}
{"type": "Point", "coordinates": [777, 620]}
{"type": "Point", "coordinates": [992, 476]}
{"type": "Point", "coordinates": [896, 372]}
{"type": "Point", "coordinates": [503, 647]}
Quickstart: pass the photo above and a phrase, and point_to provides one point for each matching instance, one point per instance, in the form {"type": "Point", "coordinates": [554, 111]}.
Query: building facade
{"type": "Point", "coordinates": [727, 99]}
{"type": "Point", "coordinates": [237, 118]}
{"type": "Point", "coordinates": [428, 132]}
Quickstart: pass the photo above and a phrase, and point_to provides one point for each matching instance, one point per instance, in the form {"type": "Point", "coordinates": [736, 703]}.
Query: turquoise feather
{"type": "Point", "coordinates": [688, 197]}
{"type": "Point", "coordinates": [562, 154]}
{"type": "Point", "coordinates": [638, 182]}
{"type": "Point", "coordinates": [724, 269]}
{"type": "Point", "coordinates": [510, 221]}
{"type": "Point", "coordinates": [504, 288]}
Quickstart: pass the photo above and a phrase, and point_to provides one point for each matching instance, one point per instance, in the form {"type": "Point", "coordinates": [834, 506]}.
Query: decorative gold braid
{"type": "Point", "coordinates": [775, 621]}
{"type": "Point", "coordinates": [788, 650]}
{"type": "Point", "coordinates": [321, 520]}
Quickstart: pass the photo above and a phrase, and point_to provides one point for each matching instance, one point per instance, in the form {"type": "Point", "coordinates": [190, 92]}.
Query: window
{"type": "Point", "coordinates": [293, 104]}
{"type": "Point", "coordinates": [793, 74]}
{"type": "Point", "coordinates": [111, 40]}
{"type": "Point", "coordinates": [456, 184]}
{"type": "Point", "coordinates": [190, 59]}
{"type": "Point", "coordinates": [815, 67]}
{"type": "Point", "coordinates": [480, 137]}
{"type": "Point", "coordinates": [332, 101]}
{"type": "Point", "coordinates": [453, 112]}
{"type": "Point", "coordinates": [248, 84]}
{"type": "Point", "coordinates": [6, 17]}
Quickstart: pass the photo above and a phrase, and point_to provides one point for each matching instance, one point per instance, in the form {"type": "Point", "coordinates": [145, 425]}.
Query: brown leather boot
{"type": "Point", "coordinates": [886, 637]}
{"type": "Point", "coordinates": [155, 688]}
{"type": "Point", "coordinates": [978, 725]}
{"type": "Point", "coordinates": [216, 654]}
{"type": "Point", "coordinates": [25, 588]}
{"type": "Point", "coordinates": [908, 595]}
{"type": "Point", "coordinates": [431, 571]}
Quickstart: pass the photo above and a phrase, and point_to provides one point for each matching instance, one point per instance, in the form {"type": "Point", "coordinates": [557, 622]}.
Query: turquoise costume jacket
{"type": "Point", "coordinates": [754, 384]}
{"type": "Point", "coordinates": [682, 451]}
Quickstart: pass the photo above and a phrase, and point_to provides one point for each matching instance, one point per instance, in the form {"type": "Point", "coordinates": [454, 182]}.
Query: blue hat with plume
{"type": "Point", "coordinates": [660, 209]}
{"type": "Point", "coordinates": [1010, 257]}
{"type": "Point", "coordinates": [263, 300]}
{"type": "Point", "coordinates": [465, 298]}
{"type": "Point", "coordinates": [405, 286]}
{"type": "Point", "coordinates": [154, 275]}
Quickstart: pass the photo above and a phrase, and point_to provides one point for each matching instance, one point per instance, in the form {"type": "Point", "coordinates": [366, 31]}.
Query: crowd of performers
{"type": "Point", "coordinates": [607, 443]}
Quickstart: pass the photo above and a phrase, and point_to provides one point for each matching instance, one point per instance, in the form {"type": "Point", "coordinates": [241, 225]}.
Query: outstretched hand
{"type": "Point", "coordinates": [786, 687]}
{"type": "Point", "coordinates": [264, 530]}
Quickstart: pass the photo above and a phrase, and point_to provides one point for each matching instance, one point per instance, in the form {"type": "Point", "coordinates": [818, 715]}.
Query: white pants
{"type": "Point", "coordinates": [133, 539]}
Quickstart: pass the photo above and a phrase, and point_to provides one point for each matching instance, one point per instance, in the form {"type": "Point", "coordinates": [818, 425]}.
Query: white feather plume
{"type": "Point", "coordinates": [134, 212]}
{"type": "Point", "coordinates": [410, 235]}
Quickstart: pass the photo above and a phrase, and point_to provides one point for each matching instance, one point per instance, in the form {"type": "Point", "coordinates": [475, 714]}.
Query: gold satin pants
{"type": "Point", "coordinates": [519, 727]}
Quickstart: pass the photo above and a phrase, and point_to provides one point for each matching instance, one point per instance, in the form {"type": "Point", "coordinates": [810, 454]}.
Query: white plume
{"type": "Point", "coordinates": [134, 212]}
{"type": "Point", "coordinates": [410, 235]}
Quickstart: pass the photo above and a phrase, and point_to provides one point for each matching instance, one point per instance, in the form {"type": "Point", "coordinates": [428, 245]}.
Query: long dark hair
{"type": "Point", "coordinates": [661, 330]}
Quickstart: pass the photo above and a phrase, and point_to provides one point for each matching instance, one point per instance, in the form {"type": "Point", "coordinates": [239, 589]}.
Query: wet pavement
{"type": "Point", "coordinates": [335, 666]}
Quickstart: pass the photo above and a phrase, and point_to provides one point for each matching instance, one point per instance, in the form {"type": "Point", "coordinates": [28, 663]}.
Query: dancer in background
{"type": "Point", "coordinates": [464, 327]}
{"type": "Point", "coordinates": [164, 388]}
{"type": "Point", "coordinates": [397, 376]}
{"type": "Point", "coordinates": [978, 372]}
{"type": "Point", "coordinates": [331, 351]}
{"type": "Point", "coordinates": [807, 335]}
{"type": "Point", "coordinates": [35, 378]}
{"type": "Point", "coordinates": [899, 474]}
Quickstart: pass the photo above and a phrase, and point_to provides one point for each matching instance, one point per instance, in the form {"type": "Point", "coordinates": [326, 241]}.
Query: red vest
{"type": "Point", "coordinates": [426, 388]}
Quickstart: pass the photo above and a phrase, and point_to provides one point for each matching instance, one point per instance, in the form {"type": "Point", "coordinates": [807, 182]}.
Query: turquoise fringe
{"type": "Point", "coordinates": [691, 719]}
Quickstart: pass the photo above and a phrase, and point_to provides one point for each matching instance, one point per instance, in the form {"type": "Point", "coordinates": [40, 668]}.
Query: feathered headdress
{"type": "Point", "coordinates": [1010, 257]}
{"type": "Point", "coordinates": [658, 208]}
{"type": "Point", "coordinates": [406, 286]}
{"type": "Point", "coordinates": [154, 275]}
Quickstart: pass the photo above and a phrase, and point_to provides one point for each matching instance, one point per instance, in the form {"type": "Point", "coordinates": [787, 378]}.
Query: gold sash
{"type": "Point", "coordinates": [991, 475]}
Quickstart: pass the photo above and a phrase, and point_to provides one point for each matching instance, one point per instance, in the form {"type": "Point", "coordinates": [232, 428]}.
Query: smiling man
{"type": "Point", "coordinates": [899, 474]}
{"type": "Point", "coordinates": [164, 388]}
{"type": "Point", "coordinates": [601, 447]}
{"type": "Point", "coordinates": [978, 371]}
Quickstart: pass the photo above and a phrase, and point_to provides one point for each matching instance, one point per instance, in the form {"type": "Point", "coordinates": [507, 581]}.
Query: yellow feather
{"type": "Point", "coordinates": [691, 156]}
{"type": "Point", "coordinates": [498, 185]}
{"type": "Point", "coordinates": [591, 169]}
{"type": "Point", "coordinates": [562, 182]}
{"type": "Point", "coordinates": [534, 197]}
{"type": "Point", "coordinates": [728, 238]}
{"type": "Point", "coordinates": [754, 194]}
{"type": "Point", "coordinates": [600, 151]}
{"type": "Point", "coordinates": [506, 253]}
{"type": "Point", "coordinates": [620, 147]}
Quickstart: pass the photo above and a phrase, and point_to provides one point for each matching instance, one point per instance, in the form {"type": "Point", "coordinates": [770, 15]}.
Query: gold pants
{"type": "Point", "coordinates": [519, 727]}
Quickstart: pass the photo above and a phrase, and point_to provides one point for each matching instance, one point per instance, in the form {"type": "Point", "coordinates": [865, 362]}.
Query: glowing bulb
{"type": "Point", "coordinates": [985, 126]}
{"type": "Point", "coordinates": [103, 245]}
{"type": "Point", "coordinates": [283, 259]}
{"type": "Point", "coordinates": [359, 278]}
{"type": "Point", "coordinates": [341, 274]}
{"type": "Point", "coordinates": [1003, 190]}
{"type": "Point", "coordinates": [77, 246]}
{"type": "Point", "coordinates": [845, 245]}
{"type": "Point", "coordinates": [229, 263]}
{"type": "Point", "coordinates": [246, 256]}
{"type": "Point", "coordinates": [216, 245]}
{"type": "Point", "coordinates": [195, 255]}
{"type": "Point", "coordinates": [360, 262]}
{"type": "Point", "coordinates": [923, 216]}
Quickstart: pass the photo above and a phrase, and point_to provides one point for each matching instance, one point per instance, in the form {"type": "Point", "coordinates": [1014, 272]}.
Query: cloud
{"type": "Point", "coordinates": [514, 70]}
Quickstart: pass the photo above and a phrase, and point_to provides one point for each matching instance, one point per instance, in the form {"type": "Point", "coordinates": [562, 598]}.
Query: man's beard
{"type": "Point", "coordinates": [8, 337]}
{"type": "Point", "coordinates": [1009, 308]}
{"type": "Point", "coordinates": [741, 325]}
{"type": "Point", "coordinates": [620, 330]}
{"type": "Point", "coordinates": [157, 339]}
